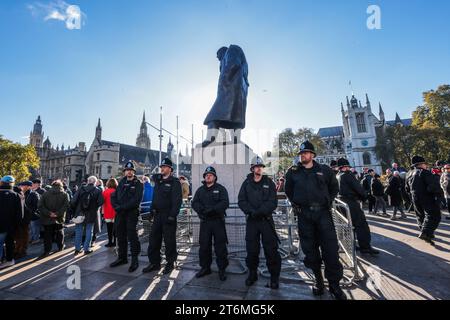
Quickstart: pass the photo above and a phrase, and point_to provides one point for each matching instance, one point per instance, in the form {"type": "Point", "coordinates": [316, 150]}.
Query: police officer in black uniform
{"type": "Point", "coordinates": [425, 192]}
{"type": "Point", "coordinates": [311, 189]}
{"type": "Point", "coordinates": [351, 192]}
{"type": "Point", "coordinates": [126, 201]}
{"type": "Point", "coordinates": [258, 200]}
{"type": "Point", "coordinates": [210, 202]}
{"type": "Point", "coordinates": [166, 204]}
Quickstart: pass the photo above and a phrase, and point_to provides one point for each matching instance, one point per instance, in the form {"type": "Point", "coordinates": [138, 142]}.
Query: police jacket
{"type": "Point", "coordinates": [167, 196]}
{"type": "Point", "coordinates": [211, 202]}
{"type": "Point", "coordinates": [423, 186]}
{"type": "Point", "coordinates": [258, 199]}
{"type": "Point", "coordinates": [128, 196]}
{"type": "Point", "coordinates": [314, 187]}
{"type": "Point", "coordinates": [349, 187]}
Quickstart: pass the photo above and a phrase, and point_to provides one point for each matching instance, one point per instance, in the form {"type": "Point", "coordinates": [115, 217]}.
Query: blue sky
{"type": "Point", "coordinates": [134, 55]}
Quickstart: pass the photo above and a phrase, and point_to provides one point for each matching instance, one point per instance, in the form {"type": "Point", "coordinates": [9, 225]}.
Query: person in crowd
{"type": "Point", "coordinates": [377, 190]}
{"type": "Point", "coordinates": [184, 188]}
{"type": "Point", "coordinates": [10, 217]}
{"type": "Point", "coordinates": [445, 185]}
{"type": "Point", "coordinates": [109, 213]}
{"type": "Point", "coordinates": [22, 235]}
{"type": "Point", "coordinates": [146, 203]}
{"type": "Point", "coordinates": [394, 191]}
{"type": "Point", "coordinates": [366, 182]}
{"type": "Point", "coordinates": [86, 203]}
{"type": "Point", "coordinates": [53, 206]}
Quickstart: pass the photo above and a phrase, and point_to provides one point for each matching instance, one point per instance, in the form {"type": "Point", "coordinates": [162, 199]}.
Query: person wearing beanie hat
{"type": "Point", "coordinates": [211, 202]}
{"type": "Point", "coordinates": [126, 201]}
{"type": "Point", "coordinates": [425, 192]}
{"type": "Point", "coordinates": [351, 192]}
{"type": "Point", "coordinates": [166, 205]}
{"type": "Point", "coordinates": [312, 188]}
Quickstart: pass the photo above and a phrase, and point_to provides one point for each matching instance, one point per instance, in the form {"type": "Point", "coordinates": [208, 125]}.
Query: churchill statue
{"type": "Point", "coordinates": [228, 111]}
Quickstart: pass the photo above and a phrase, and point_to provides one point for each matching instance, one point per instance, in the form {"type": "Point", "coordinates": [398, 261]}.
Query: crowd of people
{"type": "Point", "coordinates": [30, 213]}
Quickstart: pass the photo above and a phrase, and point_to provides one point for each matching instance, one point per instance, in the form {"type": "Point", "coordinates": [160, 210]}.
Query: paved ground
{"type": "Point", "coordinates": [407, 268]}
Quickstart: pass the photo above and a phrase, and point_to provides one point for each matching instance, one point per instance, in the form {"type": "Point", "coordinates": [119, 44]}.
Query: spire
{"type": "Point", "coordinates": [367, 101]}
{"type": "Point", "coordinates": [381, 112]}
{"type": "Point", "coordinates": [98, 131]}
{"type": "Point", "coordinates": [342, 107]}
{"type": "Point", "coordinates": [360, 105]}
{"type": "Point", "coordinates": [397, 119]}
{"type": "Point", "coordinates": [143, 118]}
{"type": "Point", "coordinates": [348, 103]}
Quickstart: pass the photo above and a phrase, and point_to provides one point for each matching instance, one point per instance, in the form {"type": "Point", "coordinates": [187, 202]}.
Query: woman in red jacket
{"type": "Point", "coordinates": [108, 211]}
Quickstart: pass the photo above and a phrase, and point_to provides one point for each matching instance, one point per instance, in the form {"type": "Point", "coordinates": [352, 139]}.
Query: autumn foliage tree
{"type": "Point", "coordinates": [17, 160]}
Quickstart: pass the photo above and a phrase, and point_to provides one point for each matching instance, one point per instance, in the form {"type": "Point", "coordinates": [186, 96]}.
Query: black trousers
{"type": "Point", "coordinates": [371, 200]}
{"type": "Point", "coordinates": [160, 231]}
{"type": "Point", "coordinates": [53, 232]}
{"type": "Point", "coordinates": [210, 229]}
{"type": "Point", "coordinates": [111, 232]}
{"type": "Point", "coordinates": [319, 243]}
{"type": "Point", "coordinates": [359, 223]}
{"type": "Point", "coordinates": [428, 217]}
{"type": "Point", "coordinates": [257, 230]}
{"type": "Point", "coordinates": [9, 246]}
{"type": "Point", "coordinates": [126, 231]}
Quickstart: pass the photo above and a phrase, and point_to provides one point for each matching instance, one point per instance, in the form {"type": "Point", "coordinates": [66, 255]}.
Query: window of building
{"type": "Point", "coordinates": [98, 156]}
{"type": "Point", "coordinates": [361, 122]}
{"type": "Point", "coordinates": [68, 160]}
{"type": "Point", "coordinates": [109, 169]}
{"type": "Point", "coordinates": [366, 158]}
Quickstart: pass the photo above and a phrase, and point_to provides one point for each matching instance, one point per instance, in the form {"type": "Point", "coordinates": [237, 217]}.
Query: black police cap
{"type": "Point", "coordinates": [307, 147]}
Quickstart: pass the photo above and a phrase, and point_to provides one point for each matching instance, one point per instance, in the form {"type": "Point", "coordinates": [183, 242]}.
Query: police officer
{"type": "Point", "coordinates": [210, 202]}
{"type": "Point", "coordinates": [166, 204]}
{"type": "Point", "coordinates": [425, 192]}
{"type": "Point", "coordinates": [126, 201]}
{"type": "Point", "coordinates": [258, 199]}
{"type": "Point", "coordinates": [334, 167]}
{"type": "Point", "coordinates": [311, 188]}
{"type": "Point", "coordinates": [351, 192]}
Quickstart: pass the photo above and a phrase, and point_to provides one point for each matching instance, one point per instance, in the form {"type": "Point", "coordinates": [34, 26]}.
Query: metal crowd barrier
{"type": "Point", "coordinates": [188, 229]}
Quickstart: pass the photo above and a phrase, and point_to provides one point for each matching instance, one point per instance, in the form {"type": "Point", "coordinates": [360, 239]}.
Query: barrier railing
{"type": "Point", "coordinates": [188, 229]}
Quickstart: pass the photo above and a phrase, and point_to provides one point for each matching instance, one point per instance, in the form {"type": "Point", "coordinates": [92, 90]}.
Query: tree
{"type": "Point", "coordinates": [16, 159]}
{"type": "Point", "coordinates": [435, 112]}
{"type": "Point", "coordinates": [289, 144]}
{"type": "Point", "coordinates": [429, 135]}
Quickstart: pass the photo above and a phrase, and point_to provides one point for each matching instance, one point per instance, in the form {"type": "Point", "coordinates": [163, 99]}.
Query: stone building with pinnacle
{"type": "Point", "coordinates": [357, 137]}
{"type": "Point", "coordinates": [104, 159]}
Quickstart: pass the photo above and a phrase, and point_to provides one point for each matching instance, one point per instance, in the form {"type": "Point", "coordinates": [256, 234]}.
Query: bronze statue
{"type": "Point", "coordinates": [228, 111]}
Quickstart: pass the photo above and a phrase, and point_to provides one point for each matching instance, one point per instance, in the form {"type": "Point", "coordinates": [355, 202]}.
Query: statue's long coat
{"type": "Point", "coordinates": [230, 106]}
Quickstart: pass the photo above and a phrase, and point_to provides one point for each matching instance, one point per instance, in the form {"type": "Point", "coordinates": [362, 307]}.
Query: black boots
{"type": "Point", "coordinates": [370, 251]}
{"type": "Point", "coordinates": [427, 238]}
{"type": "Point", "coordinates": [273, 283]}
{"type": "Point", "coordinates": [319, 286]}
{"type": "Point", "coordinates": [252, 278]}
{"type": "Point", "coordinates": [151, 267]}
{"type": "Point", "coordinates": [203, 272]}
{"type": "Point", "coordinates": [134, 264]}
{"type": "Point", "coordinates": [336, 291]}
{"type": "Point", "coordinates": [168, 268]}
{"type": "Point", "coordinates": [118, 262]}
{"type": "Point", "coordinates": [222, 275]}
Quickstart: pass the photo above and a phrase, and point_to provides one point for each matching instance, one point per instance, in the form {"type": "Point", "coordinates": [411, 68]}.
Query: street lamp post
{"type": "Point", "coordinates": [177, 136]}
